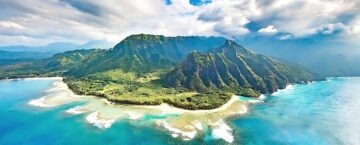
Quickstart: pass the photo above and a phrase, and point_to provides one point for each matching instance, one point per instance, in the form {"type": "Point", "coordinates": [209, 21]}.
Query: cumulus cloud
{"type": "Point", "coordinates": [35, 22]}
{"type": "Point", "coordinates": [269, 30]}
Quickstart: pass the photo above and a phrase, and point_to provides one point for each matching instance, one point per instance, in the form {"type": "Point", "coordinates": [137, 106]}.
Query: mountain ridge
{"type": "Point", "coordinates": [187, 72]}
{"type": "Point", "coordinates": [232, 66]}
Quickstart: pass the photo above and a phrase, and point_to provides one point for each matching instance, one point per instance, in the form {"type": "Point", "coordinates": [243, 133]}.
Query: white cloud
{"type": "Point", "coordinates": [269, 30]}
{"type": "Point", "coordinates": [331, 28]}
{"type": "Point", "coordinates": [9, 24]}
{"type": "Point", "coordinates": [302, 17]}
{"type": "Point", "coordinates": [113, 20]}
{"type": "Point", "coordinates": [286, 37]}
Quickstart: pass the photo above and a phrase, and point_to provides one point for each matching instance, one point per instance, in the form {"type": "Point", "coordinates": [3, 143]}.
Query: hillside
{"type": "Point", "coordinates": [236, 69]}
{"type": "Point", "coordinates": [147, 53]}
{"type": "Point", "coordinates": [152, 69]}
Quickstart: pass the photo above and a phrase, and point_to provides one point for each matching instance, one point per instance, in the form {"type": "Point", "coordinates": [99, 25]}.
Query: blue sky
{"type": "Point", "coordinates": [34, 22]}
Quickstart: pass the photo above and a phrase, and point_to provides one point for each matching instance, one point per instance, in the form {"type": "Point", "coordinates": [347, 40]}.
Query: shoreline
{"type": "Point", "coordinates": [163, 106]}
{"type": "Point", "coordinates": [169, 108]}
{"type": "Point", "coordinates": [34, 78]}
{"type": "Point", "coordinates": [179, 122]}
{"type": "Point", "coordinates": [187, 124]}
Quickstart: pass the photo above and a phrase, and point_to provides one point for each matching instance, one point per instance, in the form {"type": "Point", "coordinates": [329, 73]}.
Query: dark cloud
{"type": "Point", "coordinates": [11, 9]}
{"type": "Point", "coordinates": [212, 15]}
{"type": "Point", "coordinates": [84, 6]}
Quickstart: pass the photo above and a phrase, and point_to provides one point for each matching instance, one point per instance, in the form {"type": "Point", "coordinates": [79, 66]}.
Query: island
{"type": "Point", "coordinates": [188, 72]}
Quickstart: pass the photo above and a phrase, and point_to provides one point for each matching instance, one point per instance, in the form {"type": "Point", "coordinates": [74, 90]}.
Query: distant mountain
{"type": "Point", "coordinates": [58, 47]}
{"type": "Point", "coordinates": [23, 55]}
{"type": "Point", "coordinates": [13, 54]}
{"type": "Point", "coordinates": [232, 67]}
{"type": "Point", "coordinates": [317, 54]}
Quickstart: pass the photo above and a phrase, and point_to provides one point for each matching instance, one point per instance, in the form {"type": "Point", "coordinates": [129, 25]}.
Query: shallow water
{"type": "Point", "coordinates": [317, 113]}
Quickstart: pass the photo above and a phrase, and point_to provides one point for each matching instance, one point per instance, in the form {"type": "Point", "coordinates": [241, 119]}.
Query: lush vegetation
{"type": "Point", "coordinates": [132, 89]}
{"type": "Point", "coordinates": [235, 69]}
{"type": "Point", "coordinates": [152, 69]}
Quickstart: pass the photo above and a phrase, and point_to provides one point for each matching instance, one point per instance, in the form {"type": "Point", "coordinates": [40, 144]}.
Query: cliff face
{"type": "Point", "coordinates": [233, 67]}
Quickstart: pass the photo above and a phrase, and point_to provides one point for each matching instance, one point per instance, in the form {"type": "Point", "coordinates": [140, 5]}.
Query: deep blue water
{"type": "Point", "coordinates": [318, 113]}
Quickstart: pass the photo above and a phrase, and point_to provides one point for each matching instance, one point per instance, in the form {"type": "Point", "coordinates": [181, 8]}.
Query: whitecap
{"type": "Point", "coordinates": [175, 132]}
{"type": "Point", "coordinates": [103, 123]}
{"type": "Point", "coordinates": [287, 88]}
{"type": "Point", "coordinates": [220, 130]}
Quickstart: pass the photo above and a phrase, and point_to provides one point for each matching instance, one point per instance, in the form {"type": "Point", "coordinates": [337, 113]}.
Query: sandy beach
{"type": "Point", "coordinates": [187, 124]}
{"type": "Point", "coordinates": [164, 107]}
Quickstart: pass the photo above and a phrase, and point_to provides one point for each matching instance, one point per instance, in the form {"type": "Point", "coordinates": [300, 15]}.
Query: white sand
{"type": "Point", "coordinates": [166, 108]}
{"type": "Point", "coordinates": [37, 78]}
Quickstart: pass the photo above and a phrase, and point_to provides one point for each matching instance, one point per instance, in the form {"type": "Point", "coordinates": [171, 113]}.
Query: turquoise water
{"type": "Point", "coordinates": [318, 113]}
{"type": "Point", "coordinates": [321, 113]}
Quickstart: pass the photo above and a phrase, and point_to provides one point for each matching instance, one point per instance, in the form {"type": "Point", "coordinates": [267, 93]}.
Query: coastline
{"type": "Point", "coordinates": [60, 85]}
{"type": "Point", "coordinates": [58, 94]}
{"type": "Point", "coordinates": [35, 78]}
{"type": "Point", "coordinates": [169, 108]}
{"type": "Point", "coordinates": [186, 124]}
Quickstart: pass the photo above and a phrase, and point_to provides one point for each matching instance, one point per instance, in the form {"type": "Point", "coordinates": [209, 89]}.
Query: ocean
{"type": "Point", "coordinates": [321, 113]}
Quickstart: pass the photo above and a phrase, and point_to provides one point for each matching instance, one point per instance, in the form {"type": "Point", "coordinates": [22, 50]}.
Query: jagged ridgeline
{"type": "Point", "coordinates": [140, 53]}
{"type": "Point", "coordinates": [146, 53]}
{"type": "Point", "coordinates": [232, 67]}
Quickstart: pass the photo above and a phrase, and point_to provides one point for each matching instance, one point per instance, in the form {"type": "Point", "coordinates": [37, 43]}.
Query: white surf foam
{"type": "Point", "coordinates": [40, 102]}
{"type": "Point", "coordinates": [197, 125]}
{"type": "Point", "coordinates": [262, 97]}
{"type": "Point", "coordinates": [134, 115]}
{"type": "Point", "coordinates": [75, 110]}
{"type": "Point", "coordinates": [175, 132]}
{"type": "Point", "coordinates": [287, 88]}
{"type": "Point", "coordinates": [222, 131]}
{"type": "Point", "coordinates": [95, 119]}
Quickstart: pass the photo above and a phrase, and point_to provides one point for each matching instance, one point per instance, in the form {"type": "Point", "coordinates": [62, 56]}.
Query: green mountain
{"type": "Point", "coordinates": [152, 69]}
{"type": "Point", "coordinates": [146, 53]}
{"type": "Point", "coordinates": [232, 67]}
{"type": "Point", "coordinates": [137, 53]}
